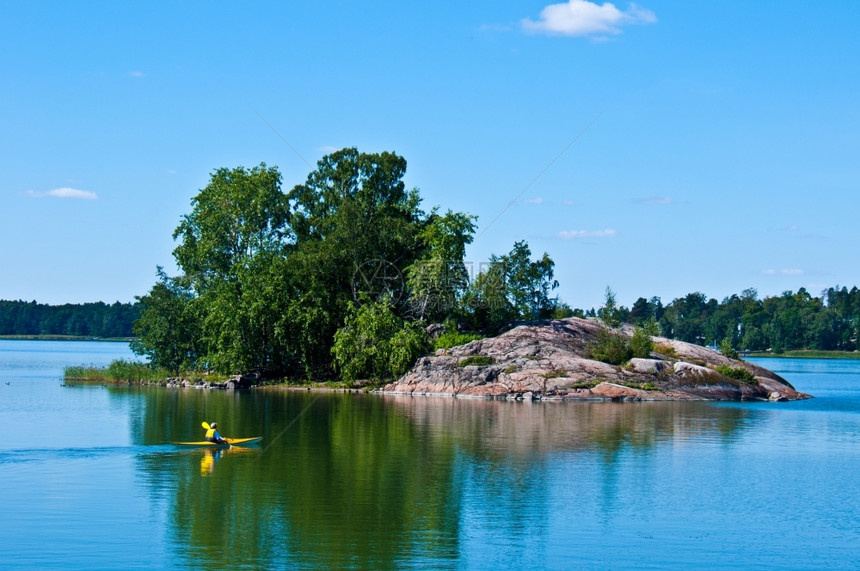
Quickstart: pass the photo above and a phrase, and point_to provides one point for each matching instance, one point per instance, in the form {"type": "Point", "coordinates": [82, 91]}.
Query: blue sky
{"type": "Point", "coordinates": [658, 148]}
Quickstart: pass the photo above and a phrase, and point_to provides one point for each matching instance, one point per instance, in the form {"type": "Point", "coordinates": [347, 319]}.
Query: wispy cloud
{"type": "Point", "coordinates": [495, 28]}
{"type": "Point", "coordinates": [583, 18]}
{"type": "Point", "coordinates": [135, 73]}
{"type": "Point", "coordinates": [797, 232]}
{"type": "Point", "coordinates": [64, 192]}
{"type": "Point", "coordinates": [783, 272]}
{"type": "Point", "coordinates": [536, 200]}
{"type": "Point", "coordinates": [575, 234]}
{"type": "Point", "coordinates": [655, 200]}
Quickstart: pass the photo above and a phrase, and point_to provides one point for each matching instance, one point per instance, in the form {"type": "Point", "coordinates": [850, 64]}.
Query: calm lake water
{"type": "Point", "coordinates": [89, 479]}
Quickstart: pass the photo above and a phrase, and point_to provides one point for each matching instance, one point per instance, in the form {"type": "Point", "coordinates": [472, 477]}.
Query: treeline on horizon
{"type": "Point", "coordinates": [96, 319]}
{"type": "Point", "coordinates": [790, 321]}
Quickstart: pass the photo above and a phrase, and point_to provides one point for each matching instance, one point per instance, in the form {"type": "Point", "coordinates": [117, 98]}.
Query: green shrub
{"type": "Point", "coordinates": [454, 339]}
{"type": "Point", "coordinates": [119, 370]}
{"type": "Point", "coordinates": [478, 360]}
{"type": "Point", "coordinates": [554, 374]}
{"type": "Point", "coordinates": [406, 345]}
{"type": "Point", "coordinates": [563, 310]}
{"type": "Point", "coordinates": [727, 349]}
{"type": "Point", "coordinates": [585, 384]}
{"type": "Point", "coordinates": [375, 343]}
{"type": "Point", "coordinates": [510, 369]}
{"type": "Point", "coordinates": [641, 386]}
{"type": "Point", "coordinates": [737, 373]}
{"type": "Point", "coordinates": [641, 344]}
{"type": "Point", "coordinates": [666, 350]}
{"type": "Point", "coordinates": [609, 348]}
{"type": "Point", "coordinates": [651, 326]}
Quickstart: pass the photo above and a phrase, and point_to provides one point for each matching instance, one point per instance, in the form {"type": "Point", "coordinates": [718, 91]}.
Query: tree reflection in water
{"type": "Point", "coordinates": [384, 481]}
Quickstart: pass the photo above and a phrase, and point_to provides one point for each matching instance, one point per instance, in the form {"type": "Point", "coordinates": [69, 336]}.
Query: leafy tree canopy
{"type": "Point", "coordinates": [336, 276]}
{"type": "Point", "coordinates": [513, 287]}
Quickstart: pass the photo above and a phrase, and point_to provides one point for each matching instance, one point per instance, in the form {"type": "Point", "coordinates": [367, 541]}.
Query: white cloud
{"type": "Point", "coordinates": [574, 234]}
{"type": "Point", "coordinates": [783, 272]}
{"type": "Point", "coordinates": [135, 73]}
{"type": "Point", "coordinates": [64, 192]}
{"type": "Point", "coordinates": [583, 18]}
{"type": "Point", "coordinates": [536, 200]}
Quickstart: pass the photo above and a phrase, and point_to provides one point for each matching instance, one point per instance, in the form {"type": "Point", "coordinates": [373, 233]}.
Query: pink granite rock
{"type": "Point", "coordinates": [548, 359]}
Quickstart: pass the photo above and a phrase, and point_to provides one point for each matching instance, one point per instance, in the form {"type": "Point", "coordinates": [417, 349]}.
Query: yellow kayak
{"type": "Point", "coordinates": [230, 442]}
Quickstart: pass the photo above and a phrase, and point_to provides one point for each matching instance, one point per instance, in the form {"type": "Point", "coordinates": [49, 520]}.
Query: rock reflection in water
{"type": "Point", "coordinates": [497, 429]}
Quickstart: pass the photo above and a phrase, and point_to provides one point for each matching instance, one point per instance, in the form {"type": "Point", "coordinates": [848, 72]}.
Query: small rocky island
{"type": "Point", "coordinates": [548, 360]}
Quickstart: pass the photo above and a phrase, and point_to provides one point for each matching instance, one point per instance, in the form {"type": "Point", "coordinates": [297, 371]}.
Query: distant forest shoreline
{"type": "Point", "coordinates": [22, 320]}
{"type": "Point", "coordinates": [64, 338]}
{"type": "Point", "coordinates": [789, 323]}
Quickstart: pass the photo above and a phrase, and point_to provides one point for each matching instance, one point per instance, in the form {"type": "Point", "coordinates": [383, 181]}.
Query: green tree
{"type": "Point", "coordinates": [269, 280]}
{"type": "Point", "coordinates": [357, 227]}
{"type": "Point", "coordinates": [438, 279]}
{"type": "Point", "coordinates": [244, 321]}
{"type": "Point", "coordinates": [355, 208]}
{"type": "Point", "coordinates": [685, 318]}
{"type": "Point", "coordinates": [168, 330]}
{"type": "Point", "coordinates": [239, 214]}
{"type": "Point", "coordinates": [486, 306]}
{"type": "Point", "coordinates": [640, 343]}
{"type": "Point", "coordinates": [271, 274]}
{"type": "Point", "coordinates": [842, 311]}
{"type": "Point", "coordinates": [563, 310]}
{"type": "Point", "coordinates": [220, 313]}
{"type": "Point", "coordinates": [375, 343]}
{"type": "Point", "coordinates": [512, 287]}
{"type": "Point", "coordinates": [643, 310]}
{"type": "Point", "coordinates": [727, 349]}
{"type": "Point", "coordinates": [609, 313]}
{"type": "Point", "coordinates": [530, 282]}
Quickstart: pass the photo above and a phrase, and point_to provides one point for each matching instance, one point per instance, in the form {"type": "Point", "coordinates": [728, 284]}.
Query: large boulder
{"type": "Point", "coordinates": [549, 360]}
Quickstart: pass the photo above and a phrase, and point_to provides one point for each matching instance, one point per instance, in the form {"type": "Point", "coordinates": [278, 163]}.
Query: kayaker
{"type": "Point", "coordinates": [213, 436]}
